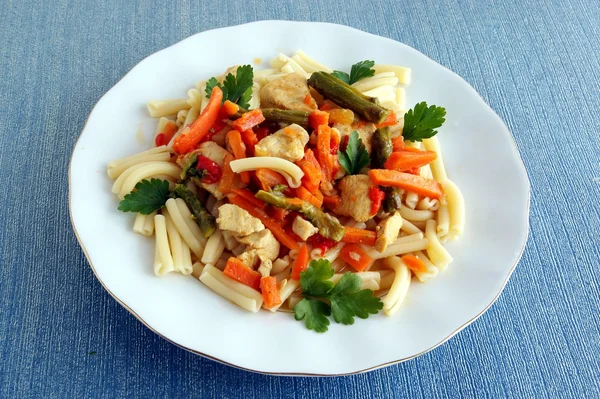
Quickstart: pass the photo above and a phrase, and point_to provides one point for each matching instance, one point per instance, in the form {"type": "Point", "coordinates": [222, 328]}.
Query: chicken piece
{"type": "Point", "coordinates": [365, 132]}
{"type": "Point", "coordinates": [215, 153]}
{"type": "Point", "coordinates": [303, 228]}
{"type": "Point", "coordinates": [355, 197]}
{"type": "Point", "coordinates": [287, 92]}
{"type": "Point", "coordinates": [264, 242]}
{"type": "Point", "coordinates": [260, 246]}
{"type": "Point", "coordinates": [387, 231]}
{"type": "Point", "coordinates": [237, 220]}
{"type": "Point", "coordinates": [287, 143]}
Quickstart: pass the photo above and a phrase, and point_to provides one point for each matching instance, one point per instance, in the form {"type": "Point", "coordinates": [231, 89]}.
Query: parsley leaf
{"type": "Point", "coordinates": [315, 279]}
{"type": "Point", "coordinates": [355, 157]}
{"type": "Point", "coordinates": [147, 197]}
{"type": "Point", "coordinates": [421, 121]}
{"type": "Point", "coordinates": [343, 76]}
{"type": "Point", "coordinates": [237, 89]}
{"type": "Point", "coordinates": [314, 313]}
{"type": "Point", "coordinates": [360, 70]}
{"type": "Point", "coordinates": [346, 298]}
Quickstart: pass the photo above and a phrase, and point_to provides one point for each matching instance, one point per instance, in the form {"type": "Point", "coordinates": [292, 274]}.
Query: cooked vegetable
{"type": "Point", "coordinates": [147, 197]}
{"type": "Point", "coordinates": [415, 264]}
{"type": "Point", "coordinates": [248, 120]}
{"type": "Point", "coordinates": [228, 176]}
{"type": "Point", "coordinates": [359, 236]}
{"type": "Point", "coordinates": [269, 178]}
{"type": "Point", "coordinates": [301, 262]}
{"type": "Point", "coordinates": [381, 147]}
{"type": "Point", "coordinates": [417, 184]}
{"type": "Point", "coordinates": [234, 138]}
{"type": "Point", "coordinates": [270, 291]}
{"type": "Point", "coordinates": [391, 120]}
{"type": "Point", "coordinates": [237, 270]}
{"type": "Point", "coordinates": [203, 219]}
{"type": "Point", "coordinates": [286, 116]}
{"type": "Point", "coordinates": [201, 167]}
{"type": "Point", "coordinates": [405, 160]}
{"type": "Point", "coordinates": [356, 256]}
{"type": "Point", "coordinates": [376, 196]}
{"type": "Point", "coordinates": [324, 152]}
{"type": "Point", "coordinates": [305, 195]}
{"type": "Point", "coordinates": [317, 118]}
{"type": "Point", "coordinates": [164, 137]}
{"type": "Point", "coordinates": [421, 121]}
{"type": "Point", "coordinates": [275, 226]}
{"type": "Point", "coordinates": [397, 143]}
{"type": "Point", "coordinates": [191, 135]}
{"type": "Point", "coordinates": [360, 70]}
{"type": "Point", "coordinates": [237, 89]}
{"type": "Point", "coordinates": [341, 115]}
{"type": "Point", "coordinates": [327, 224]}
{"type": "Point", "coordinates": [312, 171]}
{"type": "Point", "coordinates": [348, 97]}
{"type": "Point", "coordinates": [393, 199]}
{"type": "Point", "coordinates": [248, 196]}
{"type": "Point", "coordinates": [355, 156]}
{"type": "Point", "coordinates": [346, 298]}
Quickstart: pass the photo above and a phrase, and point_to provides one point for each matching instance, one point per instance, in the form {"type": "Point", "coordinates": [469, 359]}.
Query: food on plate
{"type": "Point", "coordinates": [297, 188]}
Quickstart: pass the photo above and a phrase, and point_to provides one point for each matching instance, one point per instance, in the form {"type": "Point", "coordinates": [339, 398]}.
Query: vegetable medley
{"type": "Point", "coordinates": [301, 189]}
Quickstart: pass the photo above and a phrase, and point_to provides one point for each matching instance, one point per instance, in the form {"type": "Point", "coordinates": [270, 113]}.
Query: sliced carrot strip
{"type": "Point", "coordinates": [301, 262]}
{"type": "Point", "coordinates": [418, 184]}
{"type": "Point", "coordinates": [359, 236]}
{"type": "Point", "coordinates": [237, 270]}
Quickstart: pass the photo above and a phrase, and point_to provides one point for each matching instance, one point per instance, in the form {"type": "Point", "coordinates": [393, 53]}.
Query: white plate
{"type": "Point", "coordinates": [480, 155]}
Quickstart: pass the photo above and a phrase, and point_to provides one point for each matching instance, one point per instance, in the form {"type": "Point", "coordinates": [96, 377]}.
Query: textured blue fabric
{"type": "Point", "coordinates": [536, 63]}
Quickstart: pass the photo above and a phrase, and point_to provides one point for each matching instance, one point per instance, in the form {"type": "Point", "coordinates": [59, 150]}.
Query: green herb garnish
{"type": "Point", "coordinates": [360, 70]}
{"type": "Point", "coordinates": [355, 157]}
{"type": "Point", "coordinates": [148, 196]}
{"type": "Point", "coordinates": [345, 300]}
{"type": "Point", "coordinates": [237, 89]}
{"type": "Point", "coordinates": [421, 121]}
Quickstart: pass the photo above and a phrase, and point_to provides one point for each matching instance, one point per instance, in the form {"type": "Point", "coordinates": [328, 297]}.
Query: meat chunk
{"type": "Point", "coordinates": [355, 197]}
{"type": "Point", "coordinates": [365, 132]}
{"type": "Point", "coordinates": [287, 92]}
{"type": "Point", "coordinates": [215, 153]}
{"type": "Point", "coordinates": [237, 220]}
{"type": "Point", "coordinates": [261, 246]}
{"type": "Point", "coordinates": [287, 143]}
{"type": "Point", "coordinates": [303, 228]}
{"type": "Point", "coordinates": [387, 231]}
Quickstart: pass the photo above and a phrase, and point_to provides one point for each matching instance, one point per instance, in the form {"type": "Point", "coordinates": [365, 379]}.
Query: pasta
{"type": "Point", "coordinates": [220, 199]}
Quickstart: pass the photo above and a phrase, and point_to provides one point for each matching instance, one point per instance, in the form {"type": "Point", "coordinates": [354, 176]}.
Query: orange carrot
{"type": "Point", "coordinates": [341, 115]}
{"type": "Point", "coordinates": [318, 118]}
{"type": "Point", "coordinates": [391, 120]}
{"type": "Point", "coordinates": [413, 263]}
{"type": "Point", "coordinates": [356, 256]}
{"type": "Point", "coordinates": [398, 143]}
{"type": "Point", "coordinates": [234, 138]}
{"type": "Point", "coordinates": [301, 262]}
{"type": "Point", "coordinates": [275, 226]}
{"type": "Point", "coordinates": [331, 201]}
{"type": "Point", "coordinates": [248, 120]}
{"type": "Point", "coordinates": [404, 160]}
{"type": "Point", "coordinates": [312, 171]}
{"type": "Point", "coordinates": [270, 291]}
{"type": "Point", "coordinates": [228, 177]}
{"type": "Point", "coordinates": [237, 270]}
{"type": "Point", "coordinates": [305, 195]}
{"type": "Point", "coordinates": [269, 178]}
{"type": "Point", "coordinates": [278, 213]}
{"type": "Point", "coordinates": [230, 108]}
{"type": "Point", "coordinates": [327, 105]}
{"type": "Point", "coordinates": [420, 185]}
{"type": "Point", "coordinates": [248, 196]}
{"type": "Point", "coordinates": [359, 236]}
{"type": "Point", "coordinates": [192, 134]}
{"type": "Point", "coordinates": [250, 139]}
{"type": "Point", "coordinates": [411, 149]}
{"type": "Point", "coordinates": [324, 151]}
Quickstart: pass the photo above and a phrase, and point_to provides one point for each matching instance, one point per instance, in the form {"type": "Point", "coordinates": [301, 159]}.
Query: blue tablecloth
{"type": "Point", "coordinates": [536, 63]}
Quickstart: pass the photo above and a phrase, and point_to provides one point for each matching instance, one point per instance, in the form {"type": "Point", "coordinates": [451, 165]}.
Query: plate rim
{"type": "Point", "coordinates": [302, 374]}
